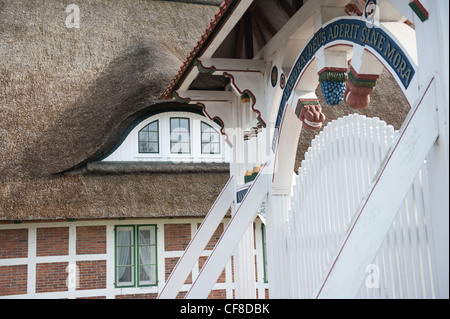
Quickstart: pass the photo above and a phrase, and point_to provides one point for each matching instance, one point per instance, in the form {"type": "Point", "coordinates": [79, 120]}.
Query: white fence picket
{"type": "Point", "coordinates": [337, 170]}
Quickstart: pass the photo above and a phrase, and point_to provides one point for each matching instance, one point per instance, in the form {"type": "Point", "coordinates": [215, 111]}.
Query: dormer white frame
{"type": "Point", "coordinates": [128, 150]}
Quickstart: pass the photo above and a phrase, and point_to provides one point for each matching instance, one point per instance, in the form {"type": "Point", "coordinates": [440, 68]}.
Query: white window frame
{"type": "Point", "coordinates": [129, 149]}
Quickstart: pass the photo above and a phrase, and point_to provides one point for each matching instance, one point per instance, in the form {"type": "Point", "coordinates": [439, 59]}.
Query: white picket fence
{"type": "Point", "coordinates": [332, 180]}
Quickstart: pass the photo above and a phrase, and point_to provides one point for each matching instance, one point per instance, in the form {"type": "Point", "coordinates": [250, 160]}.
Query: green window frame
{"type": "Point", "coordinates": [136, 256]}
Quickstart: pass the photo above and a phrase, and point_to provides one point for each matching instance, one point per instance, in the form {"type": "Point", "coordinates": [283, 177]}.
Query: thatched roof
{"type": "Point", "coordinates": [66, 93]}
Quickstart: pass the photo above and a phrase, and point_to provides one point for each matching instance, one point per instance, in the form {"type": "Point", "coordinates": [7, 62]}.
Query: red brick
{"type": "Point", "coordinates": [13, 280]}
{"type": "Point", "coordinates": [51, 277]}
{"type": "Point", "coordinates": [91, 240]}
{"type": "Point", "coordinates": [177, 236]}
{"type": "Point", "coordinates": [13, 243]}
{"type": "Point", "coordinates": [52, 241]}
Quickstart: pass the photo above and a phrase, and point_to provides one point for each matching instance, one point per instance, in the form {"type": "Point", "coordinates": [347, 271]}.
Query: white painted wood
{"type": "Point", "coordinates": [230, 238]}
{"type": "Point", "coordinates": [229, 65]}
{"type": "Point", "coordinates": [202, 95]}
{"type": "Point", "coordinates": [377, 210]}
{"type": "Point", "coordinates": [198, 243]}
{"type": "Point", "coordinates": [128, 151]}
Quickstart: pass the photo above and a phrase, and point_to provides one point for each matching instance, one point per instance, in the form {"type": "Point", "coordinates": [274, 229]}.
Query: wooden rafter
{"type": "Point", "coordinates": [297, 4]}
{"type": "Point", "coordinates": [263, 22]}
{"type": "Point", "coordinates": [239, 40]}
{"type": "Point", "coordinates": [285, 8]}
{"type": "Point", "coordinates": [248, 35]}
{"type": "Point", "coordinates": [258, 34]}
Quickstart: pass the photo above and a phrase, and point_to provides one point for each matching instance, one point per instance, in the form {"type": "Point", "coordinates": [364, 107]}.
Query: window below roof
{"type": "Point", "coordinates": [172, 137]}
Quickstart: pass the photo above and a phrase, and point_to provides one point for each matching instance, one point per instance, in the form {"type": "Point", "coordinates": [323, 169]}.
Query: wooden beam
{"type": "Point", "coordinates": [201, 95]}
{"type": "Point", "coordinates": [299, 19]}
{"type": "Point", "coordinates": [248, 35]}
{"type": "Point", "coordinates": [379, 207]}
{"type": "Point", "coordinates": [239, 40]}
{"type": "Point", "coordinates": [245, 65]}
{"type": "Point", "coordinates": [263, 22]}
{"type": "Point", "coordinates": [297, 4]}
{"type": "Point", "coordinates": [257, 33]}
{"type": "Point", "coordinates": [285, 8]}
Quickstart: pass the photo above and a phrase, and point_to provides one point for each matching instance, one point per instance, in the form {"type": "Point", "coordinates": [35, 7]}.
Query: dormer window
{"type": "Point", "coordinates": [172, 137]}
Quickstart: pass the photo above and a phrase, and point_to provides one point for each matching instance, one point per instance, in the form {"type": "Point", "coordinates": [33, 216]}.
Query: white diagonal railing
{"type": "Point", "coordinates": [198, 243]}
{"type": "Point", "coordinates": [239, 223]}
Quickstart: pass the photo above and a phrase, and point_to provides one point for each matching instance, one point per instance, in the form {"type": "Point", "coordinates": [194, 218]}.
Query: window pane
{"type": "Point", "coordinates": [206, 148]}
{"type": "Point", "coordinates": [125, 275]}
{"type": "Point", "coordinates": [174, 124]}
{"type": "Point", "coordinates": [144, 236]}
{"type": "Point", "coordinates": [149, 134]}
{"type": "Point", "coordinates": [124, 237]}
{"type": "Point", "coordinates": [143, 136]}
{"type": "Point", "coordinates": [206, 137]}
{"type": "Point", "coordinates": [147, 255]}
{"type": "Point", "coordinates": [124, 256]}
{"type": "Point", "coordinates": [215, 148]}
{"type": "Point", "coordinates": [184, 137]}
{"type": "Point", "coordinates": [153, 147]}
{"type": "Point", "coordinates": [147, 275]}
{"type": "Point", "coordinates": [215, 137]}
{"type": "Point", "coordinates": [153, 136]}
{"type": "Point", "coordinates": [210, 140]}
{"type": "Point", "coordinates": [184, 125]}
{"type": "Point", "coordinates": [153, 126]}
{"type": "Point", "coordinates": [179, 136]}
{"type": "Point", "coordinates": [184, 148]}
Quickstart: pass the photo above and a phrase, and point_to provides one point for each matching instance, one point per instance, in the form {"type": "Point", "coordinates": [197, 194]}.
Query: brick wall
{"type": "Point", "coordinates": [51, 277]}
{"type": "Point", "coordinates": [13, 243]}
{"type": "Point", "coordinates": [176, 236]}
{"type": "Point", "coordinates": [13, 280]}
{"type": "Point", "coordinates": [92, 274]}
{"type": "Point", "coordinates": [91, 240]}
{"type": "Point", "coordinates": [52, 241]}
{"type": "Point", "coordinates": [51, 255]}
